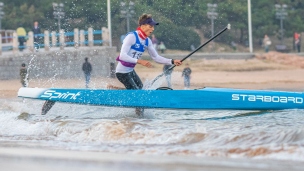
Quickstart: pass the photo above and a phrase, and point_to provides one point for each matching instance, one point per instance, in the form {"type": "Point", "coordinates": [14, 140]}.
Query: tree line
{"type": "Point", "coordinates": [180, 20]}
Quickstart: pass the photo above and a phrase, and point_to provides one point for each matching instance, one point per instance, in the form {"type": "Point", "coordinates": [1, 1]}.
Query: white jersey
{"type": "Point", "coordinates": [128, 55]}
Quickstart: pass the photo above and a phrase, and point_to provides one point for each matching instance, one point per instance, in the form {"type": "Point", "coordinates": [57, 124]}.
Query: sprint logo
{"type": "Point", "coordinates": [52, 94]}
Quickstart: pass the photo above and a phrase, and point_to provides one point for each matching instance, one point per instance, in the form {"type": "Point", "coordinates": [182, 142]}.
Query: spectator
{"type": "Point", "coordinates": [21, 33]}
{"type": "Point", "coordinates": [154, 41]}
{"type": "Point", "coordinates": [36, 31]}
{"type": "Point", "coordinates": [266, 43]}
{"type": "Point", "coordinates": [87, 69]}
{"type": "Point", "coordinates": [192, 47]}
{"type": "Point", "coordinates": [298, 42]}
{"type": "Point", "coordinates": [168, 74]}
{"type": "Point", "coordinates": [23, 75]}
{"type": "Point", "coordinates": [162, 47]}
{"type": "Point", "coordinates": [186, 74]}
{"type": "Point", "coordinates": [233, 44]}
{"type": "Point", "coordinates": [295, 36]}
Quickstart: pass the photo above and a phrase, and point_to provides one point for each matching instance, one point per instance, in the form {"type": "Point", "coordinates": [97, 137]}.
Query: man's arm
{"type": "Point", "coordinates": [125, 48]}
{"type": "Point", "coordinates": [159, 59]}
{"type": "Point", "coordinates": [154, 55]}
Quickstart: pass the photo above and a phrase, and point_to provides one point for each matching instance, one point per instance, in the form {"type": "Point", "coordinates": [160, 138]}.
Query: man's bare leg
{"type": "Point", "coordinates": [139, 112]}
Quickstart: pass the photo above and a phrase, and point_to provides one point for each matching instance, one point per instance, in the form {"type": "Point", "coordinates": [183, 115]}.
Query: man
{"type": "Point", "coordinates": [87, 69]}
{"type": "Point", "coordinates": [23, 75]}
{"type": "Point", "coordinates": [186, 74]}
{"type": "Point", "coordinates": [168, 74]}
{"type": "Point", "coordinates": [36, 31]}
{"type": "Point", "coordinates": [134, 45]}
{"type": "Point", "coordinates": [154, 41]}
{"type": "Point", "coordinates": [21, 33]}
{"type": "Point", "coordinates": [298, 42]}
{"type": "Point", "coordinates": [266, 43]}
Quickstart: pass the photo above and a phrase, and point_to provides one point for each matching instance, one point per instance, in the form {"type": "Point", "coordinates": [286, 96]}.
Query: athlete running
{"type": "Point", "coordinates": [134, 45]}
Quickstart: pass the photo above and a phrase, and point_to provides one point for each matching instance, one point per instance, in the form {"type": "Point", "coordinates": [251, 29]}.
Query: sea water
{"type": "Point", "coordinates": [254, 135]}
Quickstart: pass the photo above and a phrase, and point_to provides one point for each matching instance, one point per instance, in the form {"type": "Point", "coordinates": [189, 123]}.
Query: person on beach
{"type": "Point", "coordinates": [87, 69]}
{"type": "Point", "coordinates": [162, 47]}
{"type": "Point", "coordinates": [186, 74]}
{"type": "Point", "coordinates": [37, 38]}
{"type": "Point", "coordinates": [21, 33]}
{"type": "Point", "coordinates": [134, 45]}
{"type": "Point", "coordinates": [266, 43]}
{"type": "Point", "coordinates": [298, 42]}
{"type": "Point", "coordinates": [23, 75]}
{"type": "Point", "coordinates": [154, 41]}
{"type": "Point", "coordinates": [168, 74]}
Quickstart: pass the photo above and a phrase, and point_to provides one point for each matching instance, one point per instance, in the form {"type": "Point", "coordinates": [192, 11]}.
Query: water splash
{"type": "Point", "coordinates": [157, 83]}
{"type": "Point", "coordinates": [30, 66]}
{"type": "Point", "coordinates": [275, 135]}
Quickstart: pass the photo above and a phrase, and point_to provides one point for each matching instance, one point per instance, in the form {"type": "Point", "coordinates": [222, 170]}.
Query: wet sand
{"type": "Point", "coordinates": [13, 159]}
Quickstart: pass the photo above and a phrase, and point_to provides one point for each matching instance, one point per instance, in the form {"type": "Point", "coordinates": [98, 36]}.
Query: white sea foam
{"type": "Point", "coordinates": [231, 134]}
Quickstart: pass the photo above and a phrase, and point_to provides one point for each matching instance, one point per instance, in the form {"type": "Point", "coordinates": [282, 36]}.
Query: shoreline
{"type": "Point", "coordinates": [9, 88]}
{"type": "Point", "coordinates": [226, 73]}
{"type": "Point", "coordinates": [43, 159]}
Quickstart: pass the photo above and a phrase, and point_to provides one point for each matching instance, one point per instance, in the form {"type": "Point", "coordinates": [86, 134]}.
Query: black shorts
{"type": "Point", "coordinates": [130, 80]}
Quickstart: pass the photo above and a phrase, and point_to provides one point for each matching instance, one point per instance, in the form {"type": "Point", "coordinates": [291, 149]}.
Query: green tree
{"type": "Point", "coordinates": [179, 17]}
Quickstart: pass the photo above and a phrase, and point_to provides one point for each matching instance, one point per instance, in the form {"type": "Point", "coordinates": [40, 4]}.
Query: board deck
{"type": "Point", "coordinates": [206, 98]}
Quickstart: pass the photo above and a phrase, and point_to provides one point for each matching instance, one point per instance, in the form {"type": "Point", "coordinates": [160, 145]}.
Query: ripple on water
{"type": "Point", "coordinates": [253, 134]}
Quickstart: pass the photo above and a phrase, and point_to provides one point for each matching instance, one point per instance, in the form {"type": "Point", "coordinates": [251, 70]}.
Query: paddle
{"type": "Point", "coordinates": [155, 79]}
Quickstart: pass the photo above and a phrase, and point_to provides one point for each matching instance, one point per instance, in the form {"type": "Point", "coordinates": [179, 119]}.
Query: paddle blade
{"type": "Point", "coordinates": [153, 84]}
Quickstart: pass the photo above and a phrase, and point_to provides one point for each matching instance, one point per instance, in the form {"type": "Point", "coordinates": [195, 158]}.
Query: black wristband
{"type": "Point", "coordinates": [172, 61]}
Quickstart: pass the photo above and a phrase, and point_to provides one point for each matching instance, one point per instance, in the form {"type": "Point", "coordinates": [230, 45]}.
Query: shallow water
{"type": "Point", "coordinates": [253, 134]}
{"type": "Point", "coordinates": [277, 135]}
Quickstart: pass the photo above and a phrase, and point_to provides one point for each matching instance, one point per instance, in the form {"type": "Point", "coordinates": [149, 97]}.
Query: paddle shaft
{"type": "Point", "coordinates": [201, 46]}
{"type": "Point", "coordinates": [191, 53]}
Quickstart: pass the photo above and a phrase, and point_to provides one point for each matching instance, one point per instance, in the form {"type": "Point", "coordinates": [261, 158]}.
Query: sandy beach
{"type": "Point", "coordinates": [267, 71]}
